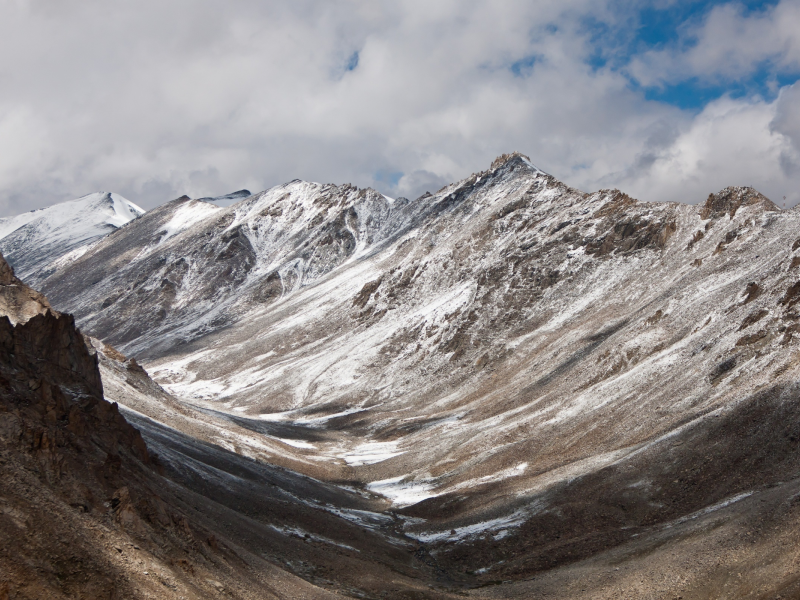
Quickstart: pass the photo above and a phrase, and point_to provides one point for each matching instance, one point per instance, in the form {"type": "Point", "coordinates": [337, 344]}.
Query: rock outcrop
{"type": "Point", "coordinates": [18, 302]}
{"type": "Point", "coordinates": [731, 199]}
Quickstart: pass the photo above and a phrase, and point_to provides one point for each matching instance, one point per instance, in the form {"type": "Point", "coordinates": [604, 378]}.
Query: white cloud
{"type": "Point", "coordinates": [25, 136]}
{"type": "Point", "coordinates": [731, 142]}
{"type": "Point", "coordinates": [787, 114]}
{"type": "Point", "coordinates": [154, 100]}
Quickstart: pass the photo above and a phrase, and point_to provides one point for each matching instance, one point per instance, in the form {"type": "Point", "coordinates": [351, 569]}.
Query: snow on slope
{"type": "Point", "coordinates": [187, 215]}
{"type": "Point", "coordinates": [37, 242]}
{"type": "Point", "coordinates": [198, 267]}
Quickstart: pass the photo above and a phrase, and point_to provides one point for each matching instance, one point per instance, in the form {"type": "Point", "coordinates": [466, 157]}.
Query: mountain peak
{"type": "Point", "coordinates": [514, 159]}
{"type": "Point", "coordinates": [730, 199]}
{"type": "Point", "coordinates": [123, 209]}
{"type": "Point", "coordinates": [44, 236]}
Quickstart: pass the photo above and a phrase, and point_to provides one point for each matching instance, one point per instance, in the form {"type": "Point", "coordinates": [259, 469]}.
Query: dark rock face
{"type": "Point", "coordinates": [17, 301]}
{"type": "Point", "coordinates": [731, 199]}
{"type": "Point", "coordinates": [45, 348]}
{"type": "Point", "coordinates": [49, 376]}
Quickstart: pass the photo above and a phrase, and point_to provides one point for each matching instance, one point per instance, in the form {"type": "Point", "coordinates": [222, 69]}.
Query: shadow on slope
{"type": "Point", "coordinates": [328, 535]}
{"type": "Point", "coordinates": [717, 459]}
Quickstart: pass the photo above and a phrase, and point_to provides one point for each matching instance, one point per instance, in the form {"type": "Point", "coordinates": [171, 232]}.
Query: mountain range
{"type": "Point", "coordinates": [506, 389]}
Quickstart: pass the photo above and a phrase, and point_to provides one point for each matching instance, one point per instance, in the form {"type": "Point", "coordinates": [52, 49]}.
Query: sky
{"type": "Point", "coordinates": [666, 100]}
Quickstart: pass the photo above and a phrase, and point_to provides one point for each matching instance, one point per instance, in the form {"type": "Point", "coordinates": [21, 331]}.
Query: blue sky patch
{"type": "Point", "coordinates": [523, 66]}
{"type": "Point", "coordinates": [352, 62]}
{"type": "Point", "coordinates": [695, 94]}
{"type": "Point", "coordinates": [654, 28]}
{"type": "Point", "coordinates": [388, 177]}
{"type": "Point", "coordinates": [658, 27]}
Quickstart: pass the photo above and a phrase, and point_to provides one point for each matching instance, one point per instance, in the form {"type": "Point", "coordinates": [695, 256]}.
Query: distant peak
{"type": "Point", "coordinates": [731, 199]}
{"type": "Point", "coordinates": [228, 199]}
{"type": "Point", "coordinates": [514, 159]}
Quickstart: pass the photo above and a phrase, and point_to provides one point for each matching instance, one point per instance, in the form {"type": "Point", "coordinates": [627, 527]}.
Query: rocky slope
{"type": "Point", "coordinates": [542, 383]}
{"type": "Point", "coordinates": [38, 242]}
{"type": "Point", "coordinates": [64, 449]}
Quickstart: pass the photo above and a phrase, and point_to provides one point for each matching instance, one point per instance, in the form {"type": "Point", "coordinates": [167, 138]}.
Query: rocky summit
{"type": "Point", "coordinates": [507, 389]}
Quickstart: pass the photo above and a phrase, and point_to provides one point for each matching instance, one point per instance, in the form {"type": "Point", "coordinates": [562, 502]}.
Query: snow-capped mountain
{"type": "Point", "coordinates": [528, 374]}
{"type": "Point", "coordinates": [195, 267]}
{"type": "Point", "coordinates": [38, 242]}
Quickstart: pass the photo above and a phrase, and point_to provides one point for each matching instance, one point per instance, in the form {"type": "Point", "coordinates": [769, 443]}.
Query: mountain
{"type": "Point", "coordinates": [534, 390]}
{"type": "Point", "coordinates": [38, 242]}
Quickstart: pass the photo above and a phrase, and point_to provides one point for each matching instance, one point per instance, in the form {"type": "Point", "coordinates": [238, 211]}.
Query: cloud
{"type": "Point", "coordinates": [731, 142]}
{"type": "Point", "coordinates": [787, 115]}
{"type": "Point", "coordinates": [786, 123]}
{"type": "Point", "coordinates": [154, 100]}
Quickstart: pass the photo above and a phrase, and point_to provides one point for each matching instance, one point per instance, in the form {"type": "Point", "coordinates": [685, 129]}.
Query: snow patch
{"type": "Point", "coordinates": [191, 213]}
{"type": "Point", "coordinates": [499, 476]}
{"type": "Point", "coordinates": [370, 453]}
{"type": "Point", "coordinates": [298, 443]}
{"type": "Point", "coordinates": [402, 493]}
{"type": "Point", "coordinates": [501, 525]}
